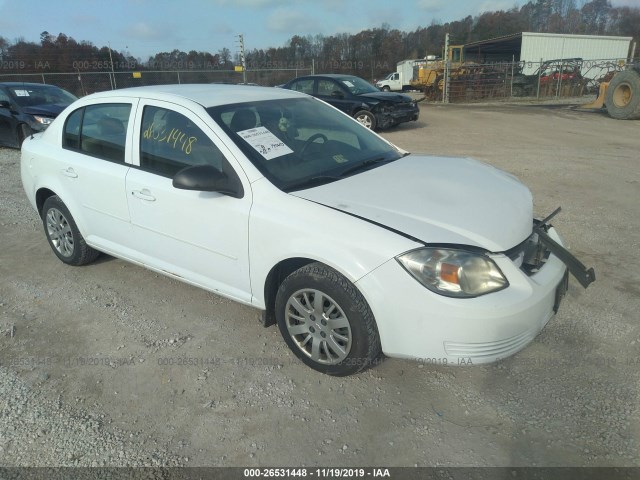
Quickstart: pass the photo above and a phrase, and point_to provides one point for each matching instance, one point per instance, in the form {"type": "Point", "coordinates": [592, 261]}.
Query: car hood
{"type": "Point", "coordinates": [50, 110]}
{"type": "Point", "coordinates": [436, 200]}
{"type": "Point", "coordinates": [387, 97]}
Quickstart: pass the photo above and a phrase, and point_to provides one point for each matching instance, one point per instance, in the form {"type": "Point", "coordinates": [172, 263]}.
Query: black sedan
{"type": "Point", "coordinates": [358, 98]}
{"type": "Point", "coordinates": [28, 107]}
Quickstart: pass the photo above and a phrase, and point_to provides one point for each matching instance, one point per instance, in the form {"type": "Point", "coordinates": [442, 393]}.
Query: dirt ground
{"type": "Point", "coordinates": [153, 371]}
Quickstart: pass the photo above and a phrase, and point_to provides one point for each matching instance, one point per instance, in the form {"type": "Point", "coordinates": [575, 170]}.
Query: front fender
{"type": "Point", "coordinates": [283, 226]}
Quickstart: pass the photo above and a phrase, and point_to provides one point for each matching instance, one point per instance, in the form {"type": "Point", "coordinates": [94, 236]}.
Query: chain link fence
{"type": "Point", "coordinates": [572, 77]}
{"type": "Point", "coordinates": [466, 82]}
{"type": "Point", "coordinates": [83, 83]}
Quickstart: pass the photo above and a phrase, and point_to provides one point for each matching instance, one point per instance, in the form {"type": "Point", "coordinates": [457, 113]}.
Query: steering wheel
{"type": "Point", "coordinates": [310, 140]}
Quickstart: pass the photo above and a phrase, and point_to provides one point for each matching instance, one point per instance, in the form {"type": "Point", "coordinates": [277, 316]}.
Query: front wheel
{"type": "Point", "coordinates": [63, 235]}
{"type": "Point", "coordinates": [326, 321]}
{"type": "Point", "coordinates": [366, 118]}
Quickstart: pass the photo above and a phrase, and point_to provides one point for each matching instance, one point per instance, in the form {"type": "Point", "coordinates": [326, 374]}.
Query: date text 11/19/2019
{"type": "Point", "coordinates": [326, 472]}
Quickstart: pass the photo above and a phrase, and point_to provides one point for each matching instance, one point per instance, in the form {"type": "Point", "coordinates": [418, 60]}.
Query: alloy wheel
{"type": "Point", "coordinates": [318, 326]}
{"type": "Point", "coordinates": [59, 232]}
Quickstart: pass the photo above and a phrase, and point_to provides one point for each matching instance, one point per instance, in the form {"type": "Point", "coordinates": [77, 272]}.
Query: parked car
{"type": "Point", "coordinates": [547, 73]}
{"type": "Point", "coordinates": [28, 107]}
{"type": "Point", "coordinates": [358, 98]}
{"type": "Point", "coordinates": [277, 200]}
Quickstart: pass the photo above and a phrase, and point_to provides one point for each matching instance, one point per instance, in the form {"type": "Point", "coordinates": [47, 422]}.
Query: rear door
{"type": "Point", "coordinates": [94, 168]}
{"type": "Point", "coordinates": [201, 237]}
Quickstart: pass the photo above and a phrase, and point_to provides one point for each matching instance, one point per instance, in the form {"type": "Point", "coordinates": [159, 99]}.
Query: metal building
{"type": "Point", "coordinates": [531, 47]}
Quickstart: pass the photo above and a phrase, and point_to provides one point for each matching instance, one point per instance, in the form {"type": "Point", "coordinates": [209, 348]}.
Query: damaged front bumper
{"type": "Point", "coordinates": [388, 116]}
{"type": "Point", "coordinates": [576, 267]}
{"type": "Point", "coordinates": [543, 243]}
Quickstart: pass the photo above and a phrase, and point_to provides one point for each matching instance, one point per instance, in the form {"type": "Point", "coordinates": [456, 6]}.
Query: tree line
{"type": "Point", "coordinates": [370, 53]}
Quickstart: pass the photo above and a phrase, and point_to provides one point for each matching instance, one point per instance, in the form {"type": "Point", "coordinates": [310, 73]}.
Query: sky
{"type": "Point", "coordinates": [146, 27]}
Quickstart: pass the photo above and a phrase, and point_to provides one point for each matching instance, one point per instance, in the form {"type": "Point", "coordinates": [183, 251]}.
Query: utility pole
{"type": "Point", "coordinates": [112, 70]}
{"type": "Point", "coordinates": [447, 70]}
{"type": "Point", "coordinates": [242, 59]}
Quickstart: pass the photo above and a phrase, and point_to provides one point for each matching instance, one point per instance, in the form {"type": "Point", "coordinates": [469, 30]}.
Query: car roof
{"type": "Point", "coordinates": [207, 95]}
{"type": "Point", "coordinates": [329, 75]}
{"type": "Point", "coordinates": [26, 84]}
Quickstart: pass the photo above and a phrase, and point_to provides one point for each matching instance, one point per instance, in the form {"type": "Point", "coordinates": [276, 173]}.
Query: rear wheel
{"type": "Point", "coordinates": [623, 95]}
{"type": "Point", "coordinates": [326, 322]}
{"type": "Point", "coordinates": [366, 118]}
{"type": "Point", "coordinates": [63, 234]}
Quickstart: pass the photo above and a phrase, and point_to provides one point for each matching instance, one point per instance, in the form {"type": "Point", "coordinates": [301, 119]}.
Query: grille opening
{"type": "Point", "coordinates": [530, 256]}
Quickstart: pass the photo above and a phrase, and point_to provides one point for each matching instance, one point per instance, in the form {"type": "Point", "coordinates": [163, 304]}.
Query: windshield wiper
{"type": "Point", "coordinates": [311, 182]}
{"type": "Point", "coordinates": [322, 179]}
{"type": "Point", "coordinates": [362, 166]}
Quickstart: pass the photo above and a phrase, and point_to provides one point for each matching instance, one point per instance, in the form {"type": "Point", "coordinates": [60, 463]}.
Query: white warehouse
{"type": "Point", "coordinates": [531, 48]}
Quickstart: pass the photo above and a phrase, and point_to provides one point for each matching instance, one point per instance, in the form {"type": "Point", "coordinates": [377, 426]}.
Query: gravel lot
{"type": "Point", "coordinates": [111, 364]}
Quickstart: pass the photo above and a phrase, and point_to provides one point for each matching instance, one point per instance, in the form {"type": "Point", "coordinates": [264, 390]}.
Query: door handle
{"type": "Point", "coordinates": [69, 172]}
{"type": "Point", "coordinates": [143, 194]}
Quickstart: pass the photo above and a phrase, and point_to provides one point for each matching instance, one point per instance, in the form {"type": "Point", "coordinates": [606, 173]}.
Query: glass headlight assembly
{"type": "Point", "coordinates": [43, 120]}
{"type": "Point", "coordinates": [453, 272]}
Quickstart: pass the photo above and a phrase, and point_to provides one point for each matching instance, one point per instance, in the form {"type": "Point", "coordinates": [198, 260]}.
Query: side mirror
{"type": "Point", "coordinates": [5, 104]}
{"type": "Point", "coordinates": [206, 178]}
{"type": "Point", "coordinates": [337, 94]}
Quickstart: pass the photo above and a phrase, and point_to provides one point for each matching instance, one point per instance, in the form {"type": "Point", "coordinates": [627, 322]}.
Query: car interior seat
{"type": "Point", "coordinates": [243, 119]}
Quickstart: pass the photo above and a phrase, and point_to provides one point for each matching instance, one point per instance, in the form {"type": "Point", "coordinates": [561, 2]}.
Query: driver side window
{"type": "Point", "coordinates": [327, 87]}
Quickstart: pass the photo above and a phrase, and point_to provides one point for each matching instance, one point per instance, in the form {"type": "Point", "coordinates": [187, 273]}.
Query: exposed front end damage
{"type": "Point", "coordinates": [391, 114]}
{"type": "Point", "coordinates": [534, 252]}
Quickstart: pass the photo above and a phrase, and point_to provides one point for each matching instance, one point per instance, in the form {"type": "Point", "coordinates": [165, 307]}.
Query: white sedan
{"type": "Point", "coordinates": [353, 246]}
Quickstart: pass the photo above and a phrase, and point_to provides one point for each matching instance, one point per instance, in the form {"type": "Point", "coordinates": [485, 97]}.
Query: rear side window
{"type": "Point", "coordinates": [304, 86]}
{"type": "Point", "coordinates": [169, 142]}
{"type": "Point", "coordinates": [99, 130]}
{"type": "Point", "coordinates": [71, 137]}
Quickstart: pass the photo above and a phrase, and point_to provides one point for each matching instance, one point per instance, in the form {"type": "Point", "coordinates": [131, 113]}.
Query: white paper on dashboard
{"type": "Point", "coordinates": [265, 142]}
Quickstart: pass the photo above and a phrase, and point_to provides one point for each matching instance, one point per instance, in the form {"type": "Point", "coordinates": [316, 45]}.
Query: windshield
{"type": "Point", "coordinates": [32, 95]}
{"type": "Point", "coordinates": [303, 142]}
{"type": "Point", "coordinates": [357, 86]}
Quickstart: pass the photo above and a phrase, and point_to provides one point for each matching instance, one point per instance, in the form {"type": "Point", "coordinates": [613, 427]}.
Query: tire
{"type": "Point", "coordinates": [347, 347]}
{"type": "Point", "coordinates": [366, 118]}
{"type": "Point", "coordinates": [386, 88]}
{"type": "Point", "coordinates": [24, 131]}
{"type": "Point", "coordinates": [623, 95]}
{"type": "Point", "coordinates": [63, 234]}
{"type": "Point", "coordinates": [518, 91]}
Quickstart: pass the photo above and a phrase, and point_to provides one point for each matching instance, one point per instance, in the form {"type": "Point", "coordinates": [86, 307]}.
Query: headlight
{"type": "Point", "coordinates": [454, 273]}
{"type": "Point", "coordinates": [43, 120]}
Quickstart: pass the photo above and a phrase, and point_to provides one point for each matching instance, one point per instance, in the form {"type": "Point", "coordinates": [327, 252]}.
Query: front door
{"type": "Point", "coordinates": [7, 122]}
{"type": "Point", "coordinates": [331, 92]}
{"type": "Point", "coordinates": [201, 237]}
